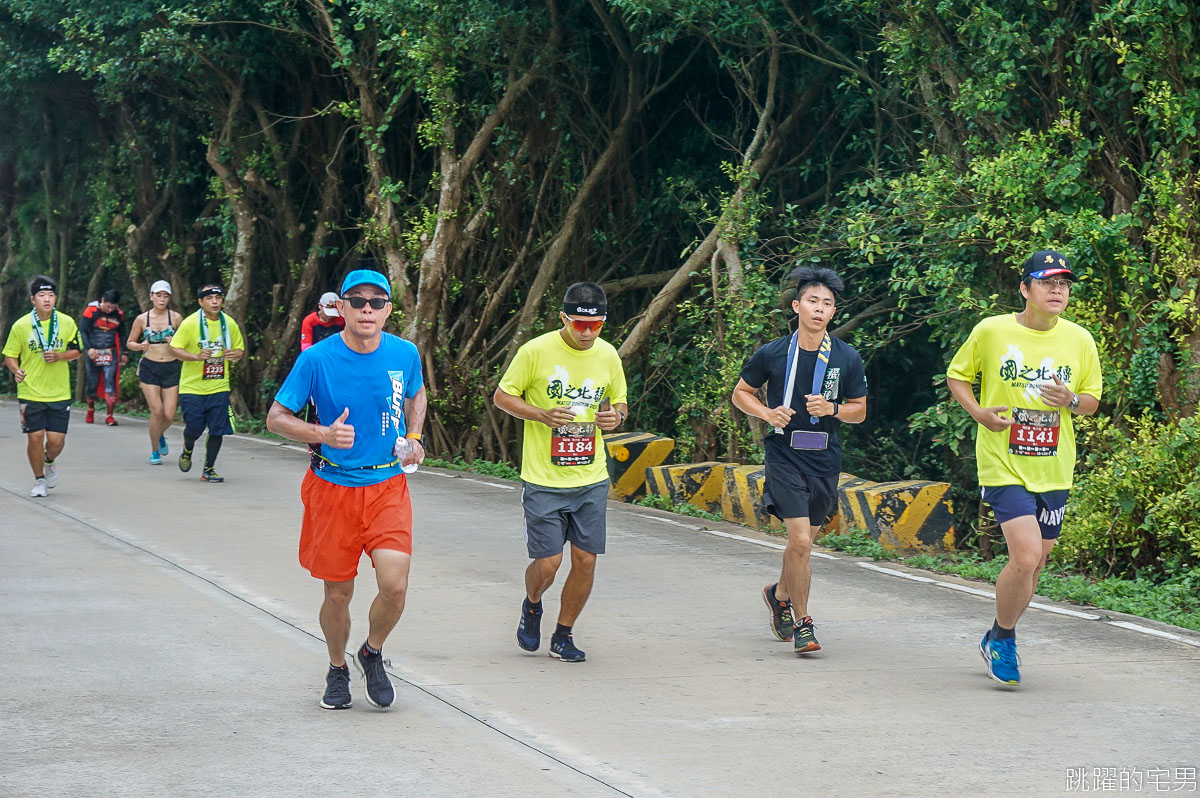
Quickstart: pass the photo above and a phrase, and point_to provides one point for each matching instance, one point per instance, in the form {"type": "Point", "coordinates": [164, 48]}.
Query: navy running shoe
{"type": "Point", "coordinates": [337, 689]}
{"type": "Point", "coordinates": [529, 630]}
{"type": "Point", "coordinates": [805, 639]}
{"type": "Point", "coordinates": [379, 687]}
{"type": "Point", "coordinates": [563, 647]}
{"type": "Point", "coordinates": [1001, 658]}
{"type": "Point", "coordinates": [781, 614]}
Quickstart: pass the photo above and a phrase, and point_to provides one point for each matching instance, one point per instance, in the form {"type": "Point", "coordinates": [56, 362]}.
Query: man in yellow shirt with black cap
{"type": "Point", "coordinates": [1037, 372]}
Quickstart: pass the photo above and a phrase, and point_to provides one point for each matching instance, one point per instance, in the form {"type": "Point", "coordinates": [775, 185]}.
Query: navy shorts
{"type": "Point", "coordinates": [211, 411]}
{"type": "Point", "coordinates": [49, 416]}
{"type": "Point", "coordinates": [1013, 501]}
{"type": "Point", "coordinates": [790, 493]}
{"type": "Point", "coordinates": [554, 516]}
{"type": "Point", "coordinates": [162, 374]}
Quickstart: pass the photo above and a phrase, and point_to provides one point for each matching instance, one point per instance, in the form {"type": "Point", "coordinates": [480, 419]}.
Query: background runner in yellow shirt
{"type": "Point", "coordinates": [568, 386]}
{"type": "Point", "coordinates": [1038, 370]}
{"type": "Point", "coordinates": [38, 349]}
{"type": "Point", "coordinates": [206, 350]}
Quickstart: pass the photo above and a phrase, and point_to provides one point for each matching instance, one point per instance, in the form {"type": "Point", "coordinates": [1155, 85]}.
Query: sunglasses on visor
{"type": "Point", "coordinates": [357, 302]}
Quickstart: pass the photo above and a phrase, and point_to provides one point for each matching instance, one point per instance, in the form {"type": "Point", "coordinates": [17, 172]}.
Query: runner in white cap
{"type": "Point", "coordinates": [158, 371]}
{"type": "Point", "coordinates": [322, 322]}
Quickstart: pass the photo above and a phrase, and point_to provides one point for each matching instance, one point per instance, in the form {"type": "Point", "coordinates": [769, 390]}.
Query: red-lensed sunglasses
{"type": "Point", "coordinates": [585, 325]}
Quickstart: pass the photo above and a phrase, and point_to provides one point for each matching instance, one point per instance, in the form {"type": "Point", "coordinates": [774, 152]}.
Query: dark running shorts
{"type": "Point", "coordinates": [1013, 501]}
{"type": "Point", "coordinates": [164, 375]}
{"type": "Point", "coordinates": [554, 516]}
{"type": "Point", "coordinates": [210, 411]}
{"type": "Point", "coordinates": [49, 416]}
{"type": "Point", "coordinates": [790, 493]}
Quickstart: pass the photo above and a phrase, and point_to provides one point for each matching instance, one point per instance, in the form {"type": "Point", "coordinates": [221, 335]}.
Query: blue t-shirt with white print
{"type": "Point", "coordinates": [374, 387]}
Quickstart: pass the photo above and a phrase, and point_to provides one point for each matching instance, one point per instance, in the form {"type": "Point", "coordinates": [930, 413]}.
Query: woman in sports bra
{"type": "Point", "coordinates": [158, 370]}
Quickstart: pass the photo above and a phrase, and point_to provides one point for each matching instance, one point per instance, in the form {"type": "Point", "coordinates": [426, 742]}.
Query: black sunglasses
{"type": "Point", "coordinates": [357, 302]}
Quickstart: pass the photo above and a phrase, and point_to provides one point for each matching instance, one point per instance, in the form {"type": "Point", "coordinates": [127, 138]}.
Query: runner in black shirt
{"type": "Point", "coordinates": [822, 378]}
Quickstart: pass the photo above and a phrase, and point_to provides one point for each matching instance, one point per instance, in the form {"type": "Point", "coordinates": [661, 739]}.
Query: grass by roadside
{"type": "Point", "coordinates": [1175, 601]}
{"type": "Point", "coordinates": [500, 470]}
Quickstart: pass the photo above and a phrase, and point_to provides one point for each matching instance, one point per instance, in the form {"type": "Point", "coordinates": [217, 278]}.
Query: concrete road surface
{"type": "Point", "coordinates": [160, 639]}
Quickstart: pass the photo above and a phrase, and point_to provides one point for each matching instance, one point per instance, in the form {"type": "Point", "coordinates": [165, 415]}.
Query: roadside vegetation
{"type": "Point", "coordinates": [687, 155]}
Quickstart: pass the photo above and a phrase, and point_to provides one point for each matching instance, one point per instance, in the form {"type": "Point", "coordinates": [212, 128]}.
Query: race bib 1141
{"type": "Point", "coordinates": [1034, 433]}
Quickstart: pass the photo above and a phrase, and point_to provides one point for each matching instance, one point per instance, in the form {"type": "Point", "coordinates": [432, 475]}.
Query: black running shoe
{"type": "Point", "coordinates": [805, 640]}
{"type": "Point", "coordinates": [781, 614]}
{"type": "Point", "coordinates": [529, 630]}
{"type": "Point", "coordinates": [337, 689]}
{"type": "Point", "coordinates": [563, 647]}
{"type": "Point", "coordinates": [379, 686]}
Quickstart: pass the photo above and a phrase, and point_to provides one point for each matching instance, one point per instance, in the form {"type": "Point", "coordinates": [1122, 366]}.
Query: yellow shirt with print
{"type": "Point", "coordinates": [44, 382]}
{"type": "Point", "coordinates": [1013, 361]}
{"type": "Point", "coordinates": [548, 373]}
{"type": "Point", "coordinates": [192, 379]}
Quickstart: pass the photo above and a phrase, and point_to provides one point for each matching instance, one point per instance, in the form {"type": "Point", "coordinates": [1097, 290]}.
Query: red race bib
{"type": "Point", "coordinates": [1035, 433]}
{"type": "Point", "coordinates": [573, 444]}
{"type": "Point", "coordinates": [214, 368]}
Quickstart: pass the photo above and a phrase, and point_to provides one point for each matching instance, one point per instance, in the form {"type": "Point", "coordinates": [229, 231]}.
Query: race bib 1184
{"type": "Point", "coordinates": [573, 444]}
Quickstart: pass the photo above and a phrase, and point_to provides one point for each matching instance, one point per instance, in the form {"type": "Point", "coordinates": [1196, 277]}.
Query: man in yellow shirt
{"type": "Point", "coordinates": [1038, 371]}
{"type": "Point", "coordinates": [206, 341]}
{"type": "Point", "coordinates": [568, 385]}
{"type": "Point", "coordinates": [37, 351]}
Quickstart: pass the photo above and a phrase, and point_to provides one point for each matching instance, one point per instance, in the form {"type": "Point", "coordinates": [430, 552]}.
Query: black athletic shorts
{"type": "Point", "coordinates": [164, 375]}
{"type": "Point", "coordinates": [49, 416]}
{"type": "Point", "coordinates": [790, 493]}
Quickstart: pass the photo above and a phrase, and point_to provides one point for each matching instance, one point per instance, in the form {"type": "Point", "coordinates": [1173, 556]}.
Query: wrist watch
{"type": "Point", "coordinates": [836, 407]}
{"type": "Point", "coordinates": [622, 421]}
{"type": "Point", "coordinates": [1074, 404]}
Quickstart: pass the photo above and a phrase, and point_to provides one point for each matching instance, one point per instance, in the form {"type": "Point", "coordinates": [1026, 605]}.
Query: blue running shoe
{"type": "Point", "coordinates": [162, 445]}
{"type": "Point", "coordinates": [337, 689]}
{"type": "Point", "coordinates": [529, 630]}
{"type": "Point", "coordinates": [155, 458]}
{"type": "Point", "coordinates": [380, 692]}
{"type": "Point", "coordinates": [1001, 658]}
{"type": "Point", "coordinates": [563, 647]}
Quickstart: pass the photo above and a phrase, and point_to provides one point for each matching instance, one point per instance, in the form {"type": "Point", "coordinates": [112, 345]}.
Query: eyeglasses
{"type": "Point", "coordinates": [1054, 282]}
{"type": "Point", "coordinates": [357, 302]}
{"type": "Point", "coordinates": [586, 325]}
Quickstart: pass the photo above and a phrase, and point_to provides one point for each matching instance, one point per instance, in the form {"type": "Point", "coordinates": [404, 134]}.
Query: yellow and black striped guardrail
{"type": "Point", "coordinates": [904, 516]}
{"type": "Point", "coordinates": [843, 520]}
{"type": "Point", "coordinates": [629, 455]}
{"type": "Point", "coordinates": [741, 498]}
{"type": "Point", "coordinates": [697, 484]}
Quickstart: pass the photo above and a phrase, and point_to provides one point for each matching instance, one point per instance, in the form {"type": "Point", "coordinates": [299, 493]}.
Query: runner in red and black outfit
{"type": "Point", "coordinates": [102, 329]}
{"type": "Point", "coordinates": [322, 322]}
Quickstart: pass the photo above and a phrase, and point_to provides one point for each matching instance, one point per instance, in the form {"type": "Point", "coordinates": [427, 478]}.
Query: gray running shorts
{"type": "Point", "coordinates": [554, 516]}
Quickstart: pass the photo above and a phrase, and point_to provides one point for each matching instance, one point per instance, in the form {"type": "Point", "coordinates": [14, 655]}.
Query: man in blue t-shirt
{"type": "Point", "coordinates": [369, 392]}
{"type": "Point", "coordinates": [814, 381]}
